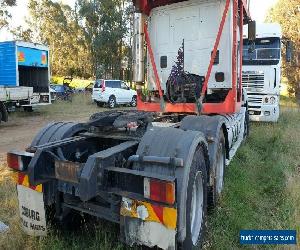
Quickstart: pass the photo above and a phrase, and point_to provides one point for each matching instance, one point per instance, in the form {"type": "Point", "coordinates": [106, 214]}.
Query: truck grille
{"type": "Point", "coordinates": [253, 81]}
{"type": "Point", "coordinates": [255, 100]}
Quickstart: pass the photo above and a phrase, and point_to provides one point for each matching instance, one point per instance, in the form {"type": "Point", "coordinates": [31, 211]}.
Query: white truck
{"type": "Point", "coordinates": [262, 72]}
{"type": "Point", "coordinates": [12, 94]}
{"type": "Point", "coordinates": [24, 75]}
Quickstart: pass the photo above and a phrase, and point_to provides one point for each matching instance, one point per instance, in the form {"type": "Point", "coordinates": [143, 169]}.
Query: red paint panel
{"type": "Point", "coordinates": [159, 211]}
{"type": "Point", "coordinates": [21, 178]}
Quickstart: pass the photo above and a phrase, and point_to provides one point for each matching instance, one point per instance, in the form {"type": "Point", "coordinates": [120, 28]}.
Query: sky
{"type": "Point", "coordinates": [258, 8]}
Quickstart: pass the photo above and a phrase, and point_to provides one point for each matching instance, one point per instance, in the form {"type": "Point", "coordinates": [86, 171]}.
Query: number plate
{"type": "Point", "coordinates": [32, 211]}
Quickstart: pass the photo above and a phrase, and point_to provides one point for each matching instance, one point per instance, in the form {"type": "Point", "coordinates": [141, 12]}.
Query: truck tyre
{"type": "Point", "coordinates": [112, 102]}
{"type": "Point", "coordinates": [133, 101]}
{"type": "Point", "coordinates": [196, 207]}
{"type": "Point", "coordinates": [219, 170]}
{"type": "Point", "coordinates": [3, 113]}
{"type": "Point", "coordinates": [57, 131]}
{"type": "Point", "coordinates": [53, 132]}
{"type": "Point", "coordinates": [246, 124]}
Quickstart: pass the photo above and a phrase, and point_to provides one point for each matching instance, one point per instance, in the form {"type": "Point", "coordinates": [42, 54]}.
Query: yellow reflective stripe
{"type": "Point", "coordinates": [170, 217]}
{"type": "Point", "coordinates": [152, 214]}
{"type": "Point", "coordinates": [39, 188]}
{"type": "Point", "coordinates": [169, 214]}
{"type": "Point", "coordinates": [25, 183]}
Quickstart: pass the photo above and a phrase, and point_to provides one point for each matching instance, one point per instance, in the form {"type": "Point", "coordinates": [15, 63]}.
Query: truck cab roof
{"type": "Point", "coordinates": [265, 30]}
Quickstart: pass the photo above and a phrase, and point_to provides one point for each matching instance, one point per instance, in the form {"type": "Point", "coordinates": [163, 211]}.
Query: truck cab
{"type": "Point", "coordinates": [262, 72]}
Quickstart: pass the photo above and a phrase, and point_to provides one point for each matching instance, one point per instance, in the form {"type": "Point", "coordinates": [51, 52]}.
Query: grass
{"type": "Point", "coordinates": [262, 187]}
{"type": "Point", "coordinates": [262, 184]}
{"type": "Point", "coordinates": [80, 109]}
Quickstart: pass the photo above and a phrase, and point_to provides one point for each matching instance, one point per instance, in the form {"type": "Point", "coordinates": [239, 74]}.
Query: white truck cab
{"type": "Point", "coordinates": [262, 72]}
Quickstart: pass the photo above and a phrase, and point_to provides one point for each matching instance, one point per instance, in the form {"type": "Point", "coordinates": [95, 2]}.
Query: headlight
{"type": "Point", "coordinates": [272, 100]}
{"type": "Point", "coordinates": [266, 100]}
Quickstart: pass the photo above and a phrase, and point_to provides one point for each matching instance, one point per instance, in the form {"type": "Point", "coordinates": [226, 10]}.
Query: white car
{"type": "Point", "coordinates": [113, 92]}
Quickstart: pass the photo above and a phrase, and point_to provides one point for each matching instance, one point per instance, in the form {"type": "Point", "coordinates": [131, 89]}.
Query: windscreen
{"type": "Point", "coordinates": [266, 52]}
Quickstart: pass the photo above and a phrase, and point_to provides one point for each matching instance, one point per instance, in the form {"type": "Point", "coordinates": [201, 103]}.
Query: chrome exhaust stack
{"type": "Point", "coordinates": [138, 49]}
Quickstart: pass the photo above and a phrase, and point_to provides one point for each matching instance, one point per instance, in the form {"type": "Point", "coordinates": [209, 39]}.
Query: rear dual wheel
{"type": "Point", "coordinates": [246, 124]}
{"type": "Point", "coordinates": [196, 210]}
{"type": "Point", "coordinates": [219, 169]}
{"type": "Point", "coordinates": [54, 132]}
{"type": "Point", "coordinates": [196, 207]}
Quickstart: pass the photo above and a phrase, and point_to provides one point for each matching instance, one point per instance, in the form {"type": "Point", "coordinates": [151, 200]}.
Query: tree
{"type": "Point", "coordinates": [287, 13]}
{"type": "Point", "coordinates": [56, 25]}
{"type": "Point", "coordinates": [25, 35]}
{"type": "Point", "coordinates": [4, 13]}
{"type": "Point", "coordinates": [89, 40]}
{"type": "Point", "coordinates": [106, 25]}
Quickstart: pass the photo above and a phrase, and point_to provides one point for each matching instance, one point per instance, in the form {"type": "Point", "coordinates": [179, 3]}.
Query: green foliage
{"type": "Point", "coordinates": [56, 24]}
{"type": "Point", "coordinates": [106, 25]}
{"type": "Point", "coordinates": [87, 41]}
{"type": "Point", "coordinates": [4, 13]}
{"type": "Point", "coordinates": [260, 184]}
{"type": "Point", "coordinates": [287, 13]}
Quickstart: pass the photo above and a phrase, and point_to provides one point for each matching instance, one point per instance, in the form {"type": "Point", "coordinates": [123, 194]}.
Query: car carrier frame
{"type": "Point", "coordinates": [153, 171]}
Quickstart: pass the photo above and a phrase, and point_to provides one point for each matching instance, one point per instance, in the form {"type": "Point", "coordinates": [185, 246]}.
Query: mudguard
{"type": "Point", "coordinates": [210, 126]}
{"type": "Point", "coordinates": [56, 131]}
{"type": "Point", "coordinates": [171, 142]}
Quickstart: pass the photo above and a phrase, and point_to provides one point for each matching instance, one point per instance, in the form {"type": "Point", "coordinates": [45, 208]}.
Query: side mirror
{"type": "Point", "coordinates": [289, 51]}
{"type": "Point", "coordinates": [252, 31]}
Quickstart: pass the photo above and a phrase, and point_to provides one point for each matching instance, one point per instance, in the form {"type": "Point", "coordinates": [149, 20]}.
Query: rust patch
{"type": "Point", "coordinates": [67, 171]}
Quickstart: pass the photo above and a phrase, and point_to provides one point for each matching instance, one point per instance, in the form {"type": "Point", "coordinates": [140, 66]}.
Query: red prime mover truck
{"type": "Point", "coordinates": [154, 171]}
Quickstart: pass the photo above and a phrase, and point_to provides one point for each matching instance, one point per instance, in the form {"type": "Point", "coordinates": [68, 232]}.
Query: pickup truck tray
{"type": "Point", "coordinates": [15, 93]}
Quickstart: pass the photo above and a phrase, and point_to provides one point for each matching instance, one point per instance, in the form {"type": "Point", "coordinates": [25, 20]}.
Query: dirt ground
{"type": "Point", "coordinates": [18, 132]}
{"type": "Point", "coordinates": [21, 128]}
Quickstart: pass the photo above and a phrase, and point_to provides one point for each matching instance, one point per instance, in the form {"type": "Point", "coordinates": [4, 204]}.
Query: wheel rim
{"type": "Point", "coordinates": [112, 103]}
{"type": "Point", "coordinates": [197, 207]}
{"type": "Point", "coordinates": [133, 103]}
{"type": "Point", "coordinates": [220, 170]}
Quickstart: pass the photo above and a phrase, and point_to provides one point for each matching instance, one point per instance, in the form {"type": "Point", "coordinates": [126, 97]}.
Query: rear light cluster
{"type": "Point", "coordinates": [103, 86]}
{"type": "Point", "coordinates": [160, 191]}
{"type": "Point", "coordinates": [15, 162]}
{"type": "Point", "coordinates": [18, 161]}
